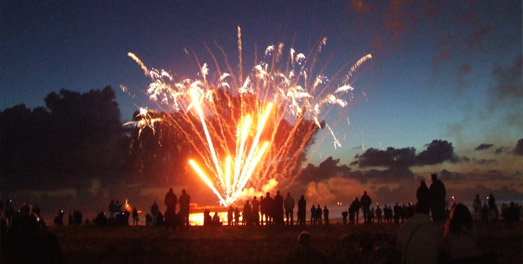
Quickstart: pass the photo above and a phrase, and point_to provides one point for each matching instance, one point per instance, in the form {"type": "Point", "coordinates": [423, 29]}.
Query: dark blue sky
{"type": "Point", "coordinates": [440, 69]}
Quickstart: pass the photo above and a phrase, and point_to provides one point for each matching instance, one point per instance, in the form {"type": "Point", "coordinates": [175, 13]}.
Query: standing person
{"type": "Point", "coordinates": [278, 208]}
{"type": "Point", "coordinates": [313, 215]}
{"type": "Point", "coordinates": [154, 213]}
{"type": "Point", "coordinates": [135, 216]}
{"type": "Point", "coordinates": [236, 216]}
{"type": "Point", "coordinates": [365, 204]}
{"type": "Point", "coordinates": [185, 200]}
{"type": "Point", "coordinates": [229, 216]}
{"type": "Point", "coordinates": [263, 210]}
{"type": "Point", "coordinates": [255, 211]}
{"type": "Point", "coordinates": [247, 211]}
{"type": "Point", "coordinates": [318, 214]}
{"type": "Point", "coordinates": [302, 210]}
{"type": "Point", "coordinates": [356, 208]}
{"type": "Point", "coordinates": [378, 214]}
{"type": "Point", "coordinates": [269, 211]}
{"type": "Point", "coordinates": [423, 192]}
{"type": "Point", "coordinates": [493, 208]}
{"type": "Point", "coordinates": [170, 214]}
{"type": "Point", "coordinates": [476, 204]}
{"type": "Point", "coordinates": [289, 209]}
{"type": "Point", "coordinates": [437, 199]}
{"type": "Point", "coordinates": [326, 215]}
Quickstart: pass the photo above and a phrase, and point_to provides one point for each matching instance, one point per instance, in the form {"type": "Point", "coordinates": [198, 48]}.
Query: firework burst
{"type": "Point", "coordinates": [248, 130]}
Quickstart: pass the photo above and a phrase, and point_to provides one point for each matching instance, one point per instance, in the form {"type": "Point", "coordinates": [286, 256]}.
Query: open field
{"type": "Point", "coordinates": [239, 244]}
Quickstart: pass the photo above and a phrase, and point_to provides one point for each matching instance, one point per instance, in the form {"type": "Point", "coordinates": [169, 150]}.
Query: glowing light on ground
{"type": "Point", "coordinates": [250, 129]}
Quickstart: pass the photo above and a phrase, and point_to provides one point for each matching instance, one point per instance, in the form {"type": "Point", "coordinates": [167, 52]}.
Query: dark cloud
{"type": "Point", "coordinates": [484, 146]}
{"type": "Point", "coordinates": [391, 157]}
{"type": "Point", "coordinates": [326, 169]}
{"type": "Point", "coordinates": [437, 151]}
{"type": "Point", "coordinates": [518, 149]}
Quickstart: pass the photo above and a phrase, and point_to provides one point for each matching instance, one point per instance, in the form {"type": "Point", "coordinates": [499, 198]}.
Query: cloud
{"type": "Point", "coordinates": [484, 146]}
{"type": "Point", "coordinates": [326, 169]}
{"type": "Point", "coordinates": [391, 157]}
{"type": "Point", "coordinates": [518, 149]}
{"type": "Point", "coordinates": [437, 151]}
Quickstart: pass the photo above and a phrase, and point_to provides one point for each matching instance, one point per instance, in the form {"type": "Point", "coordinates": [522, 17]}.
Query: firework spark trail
{"type": "Point", "coordinates": [222, 134]}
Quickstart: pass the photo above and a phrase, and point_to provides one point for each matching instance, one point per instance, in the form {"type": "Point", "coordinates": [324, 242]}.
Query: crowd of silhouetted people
{"type": "Point", "coordinates": [432, 231]}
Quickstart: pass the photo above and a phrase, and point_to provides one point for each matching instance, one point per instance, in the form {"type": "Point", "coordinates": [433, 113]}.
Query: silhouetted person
{"type": "Point", "coordinates": [484, 213]}
{"type": "Point", "coordinates": [460, 239]}
{"type": "Point", "coordinates": [278, 209]}
{"type": "Point", "coordinates": [263, 211]}
{"type": "Point", "coordinates": [365, 205]}
{"type": "Point", "coordinates": [148, 220]}
{"type": "Point", "coordinates": [476, 204]}
{"type": "Point", "coordinates": [255, 211]}
{"type": "Point", "coordinates": [236, 216]}
{"type": "Point", "coordinates": [326, 214]}
{"type": "Point", "coordinates": [493, 208]}
{"type": "Point", "coordinates": [207, 219]}
{"type": "Point", "coordinates": [318, 214]}
{"type": "Point", "coordinates": [352, 213]}
{"type": "Point", "coordinates": [170, 214]}
{"type": "Point", "coordinates": [356, 207]}
{"type": "Point", "coordinates": [154, 213]}
{"type": "Point", "coordinates": [216, 220]}
{"type": "Point", "coordinates": [184, 201]}
{"type": "Point", "coordinates": [269, 208]}
{"type": "Point", "coordinates": [313, 215]}
{"type": "Point", "coordinates": [304, 253]}
{"type": "Point", "coordinates": [420, 239]}
{"type": "Point", "coordinates": [423, 192]}
{"type": "Point", "coordinates": [77, 217]}
{"type": "Point", "coordinates": [135, 216]}
{"type": "Point", "coordinates": [229, 216]}
{"type": "Point", "coordinates": [378, 214]}
{"type": "Point", "coordinates": [101, 219]}
{"type": "Point", "coordinates": [302, 210]}
{"type": "Point", "coordinates": [247, 211]}
{"type": "Point", "coordinates": [29, 241]}
{"type": "Point", "coordinates": [344, 217]}
{"type": "Point", "coordinates": [59, 219]}
{"type": "Point", "coordinates": [9, 211]}
{"type": "Point", "coordinates": [397, 213]}
{"type": "Point", "coordinates": [437, 199]}
{"type": "Point", "coordinates": [289, 209]}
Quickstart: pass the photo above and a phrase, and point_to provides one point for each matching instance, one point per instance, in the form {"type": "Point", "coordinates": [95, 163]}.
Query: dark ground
{"type": "Point", "coordinates": [90, 244]}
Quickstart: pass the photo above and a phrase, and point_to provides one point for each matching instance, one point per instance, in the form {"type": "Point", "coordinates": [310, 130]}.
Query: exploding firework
{"type": "Point", "coordinates": [249, 130]}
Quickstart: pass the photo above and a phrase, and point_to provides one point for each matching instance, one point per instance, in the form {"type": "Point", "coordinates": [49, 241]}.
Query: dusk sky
{"type": "Point", "coordinates": [446, 70]}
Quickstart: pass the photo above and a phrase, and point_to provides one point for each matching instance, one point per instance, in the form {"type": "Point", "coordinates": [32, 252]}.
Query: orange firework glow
{"type": "Point", "coordinates": [249, 128]}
